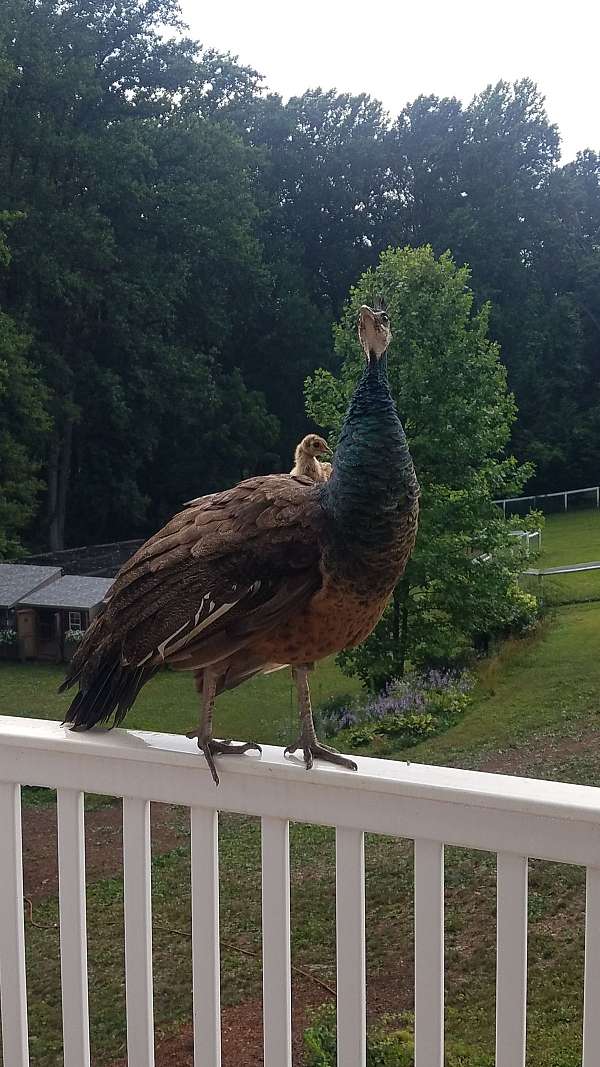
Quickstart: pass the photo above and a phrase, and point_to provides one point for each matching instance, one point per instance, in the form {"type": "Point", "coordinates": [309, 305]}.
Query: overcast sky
{"type": "Point", "coordinates": [395, 50]}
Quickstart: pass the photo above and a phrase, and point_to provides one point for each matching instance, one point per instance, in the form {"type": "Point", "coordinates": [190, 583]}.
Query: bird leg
{"type": "Point", "coordinates": [206, 683]}
{"type": "Point", "coordinates": [308, 740]}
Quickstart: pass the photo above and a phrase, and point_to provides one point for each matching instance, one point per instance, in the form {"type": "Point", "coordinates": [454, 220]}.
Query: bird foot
{"type": "Point", "coordinates": [313, 749]}
{"type": "Point", "coordinates": [211, 748]}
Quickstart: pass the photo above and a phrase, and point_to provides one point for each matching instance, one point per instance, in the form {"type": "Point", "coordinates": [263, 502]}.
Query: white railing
{"type": "Point", "coordinates": [527, 536]}
{"type": "Point", "coordinates": [564, 495]}
{"type": "Point", "coordinates": [515, 817]}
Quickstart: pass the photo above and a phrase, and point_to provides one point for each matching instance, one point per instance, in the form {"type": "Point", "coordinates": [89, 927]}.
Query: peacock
{"type": "Point", "coordinates": [307, 458]}
{"type": "Point", "coordinates": [279, 570]}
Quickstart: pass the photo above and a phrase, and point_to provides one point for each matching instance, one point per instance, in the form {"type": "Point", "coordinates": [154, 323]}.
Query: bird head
{"type": "Point", "coordinates": [374, 332]}
{"type": "Point", "coordinates": [313, 445]}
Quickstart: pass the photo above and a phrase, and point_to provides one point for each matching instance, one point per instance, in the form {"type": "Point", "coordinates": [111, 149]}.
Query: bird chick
{"type": "Point", "coordinates": [306, 461]}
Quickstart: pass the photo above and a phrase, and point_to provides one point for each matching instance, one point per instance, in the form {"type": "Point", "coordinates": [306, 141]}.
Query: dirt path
{"type": "Point", "coordinates": [545, 756]}
{"type": "Point", "coordinates": [241, 1033]}
{"type": "Point", "coordinates": [103, 842]}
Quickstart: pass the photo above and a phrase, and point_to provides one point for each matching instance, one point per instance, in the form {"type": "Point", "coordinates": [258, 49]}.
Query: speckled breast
{"type": "Point", "coordinates": [335, 618]}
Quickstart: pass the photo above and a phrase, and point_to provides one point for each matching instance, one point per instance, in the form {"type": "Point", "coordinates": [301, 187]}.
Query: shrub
{"type": "Point", "coordinates": [405, 713]}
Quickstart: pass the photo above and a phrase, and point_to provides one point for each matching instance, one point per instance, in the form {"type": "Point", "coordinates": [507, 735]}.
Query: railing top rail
{"type": "Point", "coordinates": [148, 752]}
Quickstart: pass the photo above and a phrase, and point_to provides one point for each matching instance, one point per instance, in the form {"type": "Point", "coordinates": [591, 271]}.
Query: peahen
{"type": "Point", "coordinates": [277, 571]}
{"type": "Point", "coordinates": [307, 458]}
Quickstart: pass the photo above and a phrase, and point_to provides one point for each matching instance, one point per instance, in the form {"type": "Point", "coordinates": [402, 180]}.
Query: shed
{"type": "Point", "coordinates": [51, 618]}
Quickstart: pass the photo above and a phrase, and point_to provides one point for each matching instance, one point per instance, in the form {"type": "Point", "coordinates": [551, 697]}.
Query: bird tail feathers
{"type": "Point", "coordinates": [107, 688]}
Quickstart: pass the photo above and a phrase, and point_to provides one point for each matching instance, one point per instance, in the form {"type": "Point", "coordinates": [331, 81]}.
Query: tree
{"type": "Point", "coordinates": [475, 180]}
{"type": "Point", "coordinates": [450, 388]}
{"type": "Point", "coordinates": [136, 243]}
{"type": "Point", "coordinates": [24, 421]}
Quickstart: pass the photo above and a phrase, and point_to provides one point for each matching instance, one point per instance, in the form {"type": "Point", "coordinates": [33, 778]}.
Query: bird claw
{"type": "Point", "coordinates": [211, 748]}
{"type": "Point", "coordinates": [313, 749]}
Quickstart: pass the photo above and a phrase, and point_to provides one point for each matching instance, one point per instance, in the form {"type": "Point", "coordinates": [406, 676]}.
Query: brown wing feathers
{"type": "Point", "coordinates": [229, 566]}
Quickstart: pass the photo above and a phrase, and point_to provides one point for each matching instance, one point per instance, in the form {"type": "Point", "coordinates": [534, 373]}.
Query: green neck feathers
{"type": "Point", "coordinates": [373, 483]}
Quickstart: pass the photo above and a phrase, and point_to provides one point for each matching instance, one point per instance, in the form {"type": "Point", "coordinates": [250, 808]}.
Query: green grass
{"type": "Point", "coordinates": [263, 709]}
{"type": "Point", "coordinates": [571, 538]}
{"type": "Point", "coordinates": [546, 682]}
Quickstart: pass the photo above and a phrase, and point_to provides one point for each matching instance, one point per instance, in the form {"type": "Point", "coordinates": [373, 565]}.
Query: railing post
{"type": "Point", "coordinates": [73, 935]}
{"type": "Point", "coordinates": [15, 1044]}
{"type": "Point", "coordinates": [591, 996]}
{"type": "Point", "coordinates": [429, 954]}
{"type": "Point", "coordinates": [277, 993]}
{"type": "Point", "coordinates": [205, 937]}
{"type": "Point", "coordinates": [350, 940]}
{"type": "Point", "coordinates": [511, 960]}
{"type": "Point", "coordinates": [138, 932]}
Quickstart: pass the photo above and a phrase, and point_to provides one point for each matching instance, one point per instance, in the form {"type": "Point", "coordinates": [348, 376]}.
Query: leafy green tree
{"type": "Point", "coordinates": [137, 254]}
{"type": "Point", "coordinates": [326, 172]}
{"type": "Point", "coordinates": [474, 179]}
{"type": "Point", "coordinates": [24, 421]}
{"type": "Point", "coordinates": [450, 388]}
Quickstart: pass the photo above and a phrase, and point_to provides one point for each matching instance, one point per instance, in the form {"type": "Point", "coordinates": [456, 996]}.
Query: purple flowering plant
{"type": "Point", "coordinates": [407, 710]}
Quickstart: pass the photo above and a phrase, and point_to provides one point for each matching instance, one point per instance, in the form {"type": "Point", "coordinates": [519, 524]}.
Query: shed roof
{"type": "Point", "coordinates": [71, 591]}
{"type": "Point", "coordinates": [20, 579]}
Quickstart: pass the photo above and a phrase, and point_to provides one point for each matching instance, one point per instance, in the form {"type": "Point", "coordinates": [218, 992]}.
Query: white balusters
{"type": "Point", "coordinates": [511, 960]}
{"type": "Point", "coordinates": [73, 938]}
{"type": "Point", "coordinates": [205, 937]}
{"type": "Point", "coordinates": [350, 934]}
{"type": "Point", "coordinates": [138, 932]}
{"type": "Point", "coordinates": [591, 1002]}
{"type": "Point", "coordinates": [12, 939]}
{"type": "Point", "coordinates": [277, 998]}
{"type": "Point", "coordinates": [429, 954]}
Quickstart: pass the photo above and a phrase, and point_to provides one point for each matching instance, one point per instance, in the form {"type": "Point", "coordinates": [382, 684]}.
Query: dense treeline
{"type": "Point", "coordinates": [176, 243]}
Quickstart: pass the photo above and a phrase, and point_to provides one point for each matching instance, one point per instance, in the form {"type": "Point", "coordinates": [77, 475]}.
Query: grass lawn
{"type": "Point", "coordinates": [571, 538]}
{"type": "Point", "coordinates": [263, 709]}
{"type": "Point", "coordinates": [549, 682]}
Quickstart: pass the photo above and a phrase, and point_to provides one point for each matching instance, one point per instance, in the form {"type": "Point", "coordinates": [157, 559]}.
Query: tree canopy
{"type": "Point", "coordinates": [181, 242]}
{"type": "Point", "coordinates": [450, 389]}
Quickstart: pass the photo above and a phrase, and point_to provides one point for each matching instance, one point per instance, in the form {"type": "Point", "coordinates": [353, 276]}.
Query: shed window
{"type": "Point", "coordinates": [75, 620]}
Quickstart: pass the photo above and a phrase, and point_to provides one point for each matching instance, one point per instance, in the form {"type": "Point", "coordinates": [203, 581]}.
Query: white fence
{"type": "Point", "coordinates": [517, 818]}
{"type": "Point", "coordinates": [529, 538]}
{"type": "Point", "coordinates": [551, 502]}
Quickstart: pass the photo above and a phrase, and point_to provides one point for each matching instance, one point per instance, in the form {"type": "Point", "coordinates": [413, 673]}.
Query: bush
{"type": "Point", "coordinates": [335, 713]}
{"type": "Point", "coordinates": [404, 730]}
{"type": "Point", "coordinates": [405, 713]}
